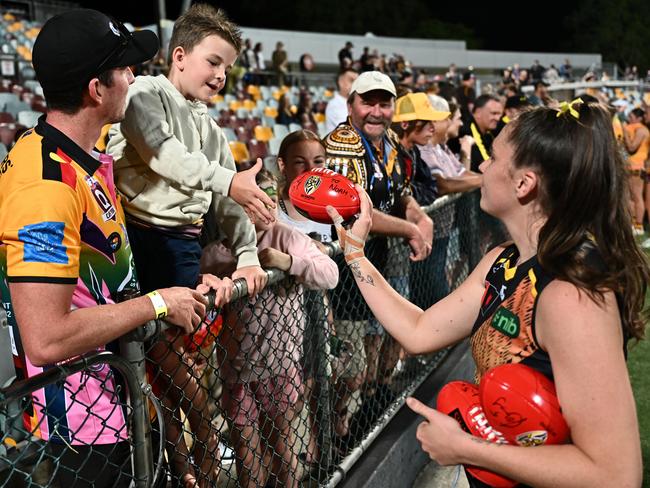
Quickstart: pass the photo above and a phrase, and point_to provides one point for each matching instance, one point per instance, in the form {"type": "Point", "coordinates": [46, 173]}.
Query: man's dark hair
{"type": "Point", "coordinates": [483, 100]}
{"type": "Point", "coordinates": [70, 100]}
{"type": "Point", "coordinates": [343, 72]}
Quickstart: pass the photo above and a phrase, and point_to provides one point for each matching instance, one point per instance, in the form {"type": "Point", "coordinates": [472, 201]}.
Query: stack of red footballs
{"type": "Point", "coordinates": [514, 404]}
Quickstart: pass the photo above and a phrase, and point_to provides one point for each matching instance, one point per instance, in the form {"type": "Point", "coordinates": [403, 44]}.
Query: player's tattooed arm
{"type": "Point", "coordinates": [358, 274]}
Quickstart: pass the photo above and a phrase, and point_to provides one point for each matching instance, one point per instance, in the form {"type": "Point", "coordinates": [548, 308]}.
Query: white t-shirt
{"type": "Point", "coordinates": [335, 112]}
{"type": "Point", "coordinates": [308, 227]}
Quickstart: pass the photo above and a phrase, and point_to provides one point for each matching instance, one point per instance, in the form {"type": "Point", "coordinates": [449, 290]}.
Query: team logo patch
{"type": "Point", "coordinates": [108, 210]}
{"type": "Point", "coordinates": [43, 243]}
{"type": "Point", "coordinates": [506, 322]}
{"type": "Point", "coordinates": [311, 184]}
{"type": "Point", "coordinates": [532, 438]}
{"type": "Point", "coordinates": [115, 241]}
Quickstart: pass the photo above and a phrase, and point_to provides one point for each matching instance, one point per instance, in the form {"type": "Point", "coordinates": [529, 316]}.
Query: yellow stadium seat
{"type": "Point", "coordinates": [263, 133]}
{"type": "Point", "coordinates": [239, 151]}
{"type": "Point", "coordinates": [15, 27]}
{"type": "Point", "coordinates": [24, 52]}
{"type": "Point", "coordinates": [319, 117]}
{"type": "Point", "coordinates": [235, 105]}
{"type": "Point", "coordinates": [328, 94]}
{"type": "Point", "coordinates": [216, 99]}
{"type": "Point", "coordinates": [271, 112]}
{"type": "Point", "coordinates": [32, 33]}
{"type": "Point", "coordinates": [252, 89]}
{"type": "Point", "coordinates": [277, 94]}
{"type": "Point", "coordinates": [249, 104]}
{"type": "Point", "coordinates": [8, 17]}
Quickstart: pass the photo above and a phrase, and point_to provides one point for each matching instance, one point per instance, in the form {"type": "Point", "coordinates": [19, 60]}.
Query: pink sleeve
{"type": "Point", "coordinates": [309, 265]}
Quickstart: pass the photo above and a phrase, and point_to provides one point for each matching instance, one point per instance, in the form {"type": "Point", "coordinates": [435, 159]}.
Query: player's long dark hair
{"type": "Point", "coordinates": [584, 194]}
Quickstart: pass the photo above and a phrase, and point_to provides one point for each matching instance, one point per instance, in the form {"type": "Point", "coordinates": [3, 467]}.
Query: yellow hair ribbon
{"type": "Point", "coordinates": [568, 107]}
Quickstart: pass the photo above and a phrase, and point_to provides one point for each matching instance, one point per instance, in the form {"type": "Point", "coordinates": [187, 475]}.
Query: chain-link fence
{"type": "Point", "coordinates": [284, 389]}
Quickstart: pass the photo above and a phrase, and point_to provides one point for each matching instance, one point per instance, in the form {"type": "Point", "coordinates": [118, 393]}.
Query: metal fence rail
{"type": "Point", "coordinates": [284, 389]}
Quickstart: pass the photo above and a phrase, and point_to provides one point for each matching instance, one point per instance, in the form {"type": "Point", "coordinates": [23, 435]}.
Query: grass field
{"type": "Point", "coordinates": [639, 367]}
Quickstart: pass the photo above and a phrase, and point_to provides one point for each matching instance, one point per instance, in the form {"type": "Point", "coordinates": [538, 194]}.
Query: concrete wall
{"type": "Point", "coordinates": [395, 458]}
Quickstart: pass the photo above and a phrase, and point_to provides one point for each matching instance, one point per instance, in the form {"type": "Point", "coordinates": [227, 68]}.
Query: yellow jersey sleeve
{"type": "Point", "coordinates": [40, 225]}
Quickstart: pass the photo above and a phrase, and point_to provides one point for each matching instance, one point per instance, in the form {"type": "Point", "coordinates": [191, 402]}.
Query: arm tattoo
{"type": "Point", "coordinates": [356, 271]}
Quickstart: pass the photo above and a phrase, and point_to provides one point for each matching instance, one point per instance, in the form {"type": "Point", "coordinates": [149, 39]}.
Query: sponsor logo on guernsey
{"type": "Point", "coordinates": [506, 322]}
{"type": "Point", "coordinates": [43, 243]}
{"type": "Point", "coordinates": [311, 184]}
{"type": "Point", "coordinates": [101, 198]}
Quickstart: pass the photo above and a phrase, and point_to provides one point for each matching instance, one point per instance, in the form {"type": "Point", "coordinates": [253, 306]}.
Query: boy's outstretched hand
{"type": "Point", "coordinates": [255, 278]}
{"type": "Point", "coordinates": [246, 193]}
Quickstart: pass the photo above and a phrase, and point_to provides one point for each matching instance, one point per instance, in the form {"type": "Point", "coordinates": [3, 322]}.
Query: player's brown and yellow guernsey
{"type": "Point", "coordinates": [504, 331]}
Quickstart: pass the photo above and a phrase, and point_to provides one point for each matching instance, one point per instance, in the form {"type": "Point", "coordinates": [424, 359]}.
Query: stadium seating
{"type": "Point", "coordinates": [262, 133]}
{"type": "Point", "coordinates": [28, 118]}
{"type": "Point", "coordinates": [239, 152]}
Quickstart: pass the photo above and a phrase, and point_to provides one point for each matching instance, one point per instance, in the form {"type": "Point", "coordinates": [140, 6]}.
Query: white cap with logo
{"type": "Point", "coordinates": [372, 80]}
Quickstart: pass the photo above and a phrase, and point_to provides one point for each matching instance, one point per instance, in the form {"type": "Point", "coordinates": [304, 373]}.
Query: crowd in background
{"type": "Point", "coordinates": [439, 155]}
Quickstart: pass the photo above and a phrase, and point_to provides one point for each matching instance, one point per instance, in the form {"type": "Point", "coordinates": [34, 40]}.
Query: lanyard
{"type": "Point", "coordinates": [376, 166]}
{"type": "Point", "coordinates": [479, 142]}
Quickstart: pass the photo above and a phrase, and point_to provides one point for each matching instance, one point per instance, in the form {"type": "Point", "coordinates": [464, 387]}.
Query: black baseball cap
{"type": "Point", "coordinates": [77, 45]}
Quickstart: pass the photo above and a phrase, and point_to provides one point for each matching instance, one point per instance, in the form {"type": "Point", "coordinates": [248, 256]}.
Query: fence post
{"type": "Point", "coordinates": [132, 350]}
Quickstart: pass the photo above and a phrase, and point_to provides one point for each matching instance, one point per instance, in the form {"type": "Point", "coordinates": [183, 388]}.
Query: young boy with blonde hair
{"type": "Point", "coordinates": [173, 166]}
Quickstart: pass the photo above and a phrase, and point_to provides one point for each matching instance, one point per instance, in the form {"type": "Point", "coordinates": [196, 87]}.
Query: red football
{"type": "Point", "coordinates": [314, 190]}
{"type": "Point", "coordinates": [522, 404]}
{"type": "Point", "coordinates": [460, 400]}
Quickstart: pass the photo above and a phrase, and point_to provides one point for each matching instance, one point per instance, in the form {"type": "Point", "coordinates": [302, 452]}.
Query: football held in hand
{"type": "Point", "coordinates": [311, 192]}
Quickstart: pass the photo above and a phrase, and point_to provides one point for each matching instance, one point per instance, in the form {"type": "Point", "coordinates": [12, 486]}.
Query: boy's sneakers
{"type": "Point", "coordinates": [637, 231]}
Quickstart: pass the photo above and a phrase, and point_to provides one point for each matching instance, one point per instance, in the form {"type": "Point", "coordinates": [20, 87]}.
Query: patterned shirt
{"type": "Point", "coordinates": [381, 173]}
{"type": "Point", "coordinates": [61, 222]}
{"type": "Point", "coordinates": [504, 331]}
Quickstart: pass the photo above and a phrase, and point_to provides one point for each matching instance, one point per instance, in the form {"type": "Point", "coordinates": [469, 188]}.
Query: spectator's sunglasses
{"type": "Point", "coordinates": [125, 38]}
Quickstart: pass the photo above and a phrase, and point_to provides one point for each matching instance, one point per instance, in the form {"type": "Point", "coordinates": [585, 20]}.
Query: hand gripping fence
{"type": "Point", "coordinates": [287, 388]}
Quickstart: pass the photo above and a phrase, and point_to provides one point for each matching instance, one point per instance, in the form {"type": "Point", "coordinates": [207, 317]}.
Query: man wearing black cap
{"type": "Point", "coordinates": [65, 258]}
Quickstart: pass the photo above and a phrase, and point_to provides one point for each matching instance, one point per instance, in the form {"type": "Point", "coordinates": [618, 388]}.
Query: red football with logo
{"type": "Point", "coordinates": [460, 400]}
{"type": "Point", "coordinates": [522, 404]}
{"type": "Point", "coordinates": [314, 190]}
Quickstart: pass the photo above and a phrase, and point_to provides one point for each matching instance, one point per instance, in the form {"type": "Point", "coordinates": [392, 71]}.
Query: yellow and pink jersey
{"type": "Point", "coordinates": [61, 222]}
